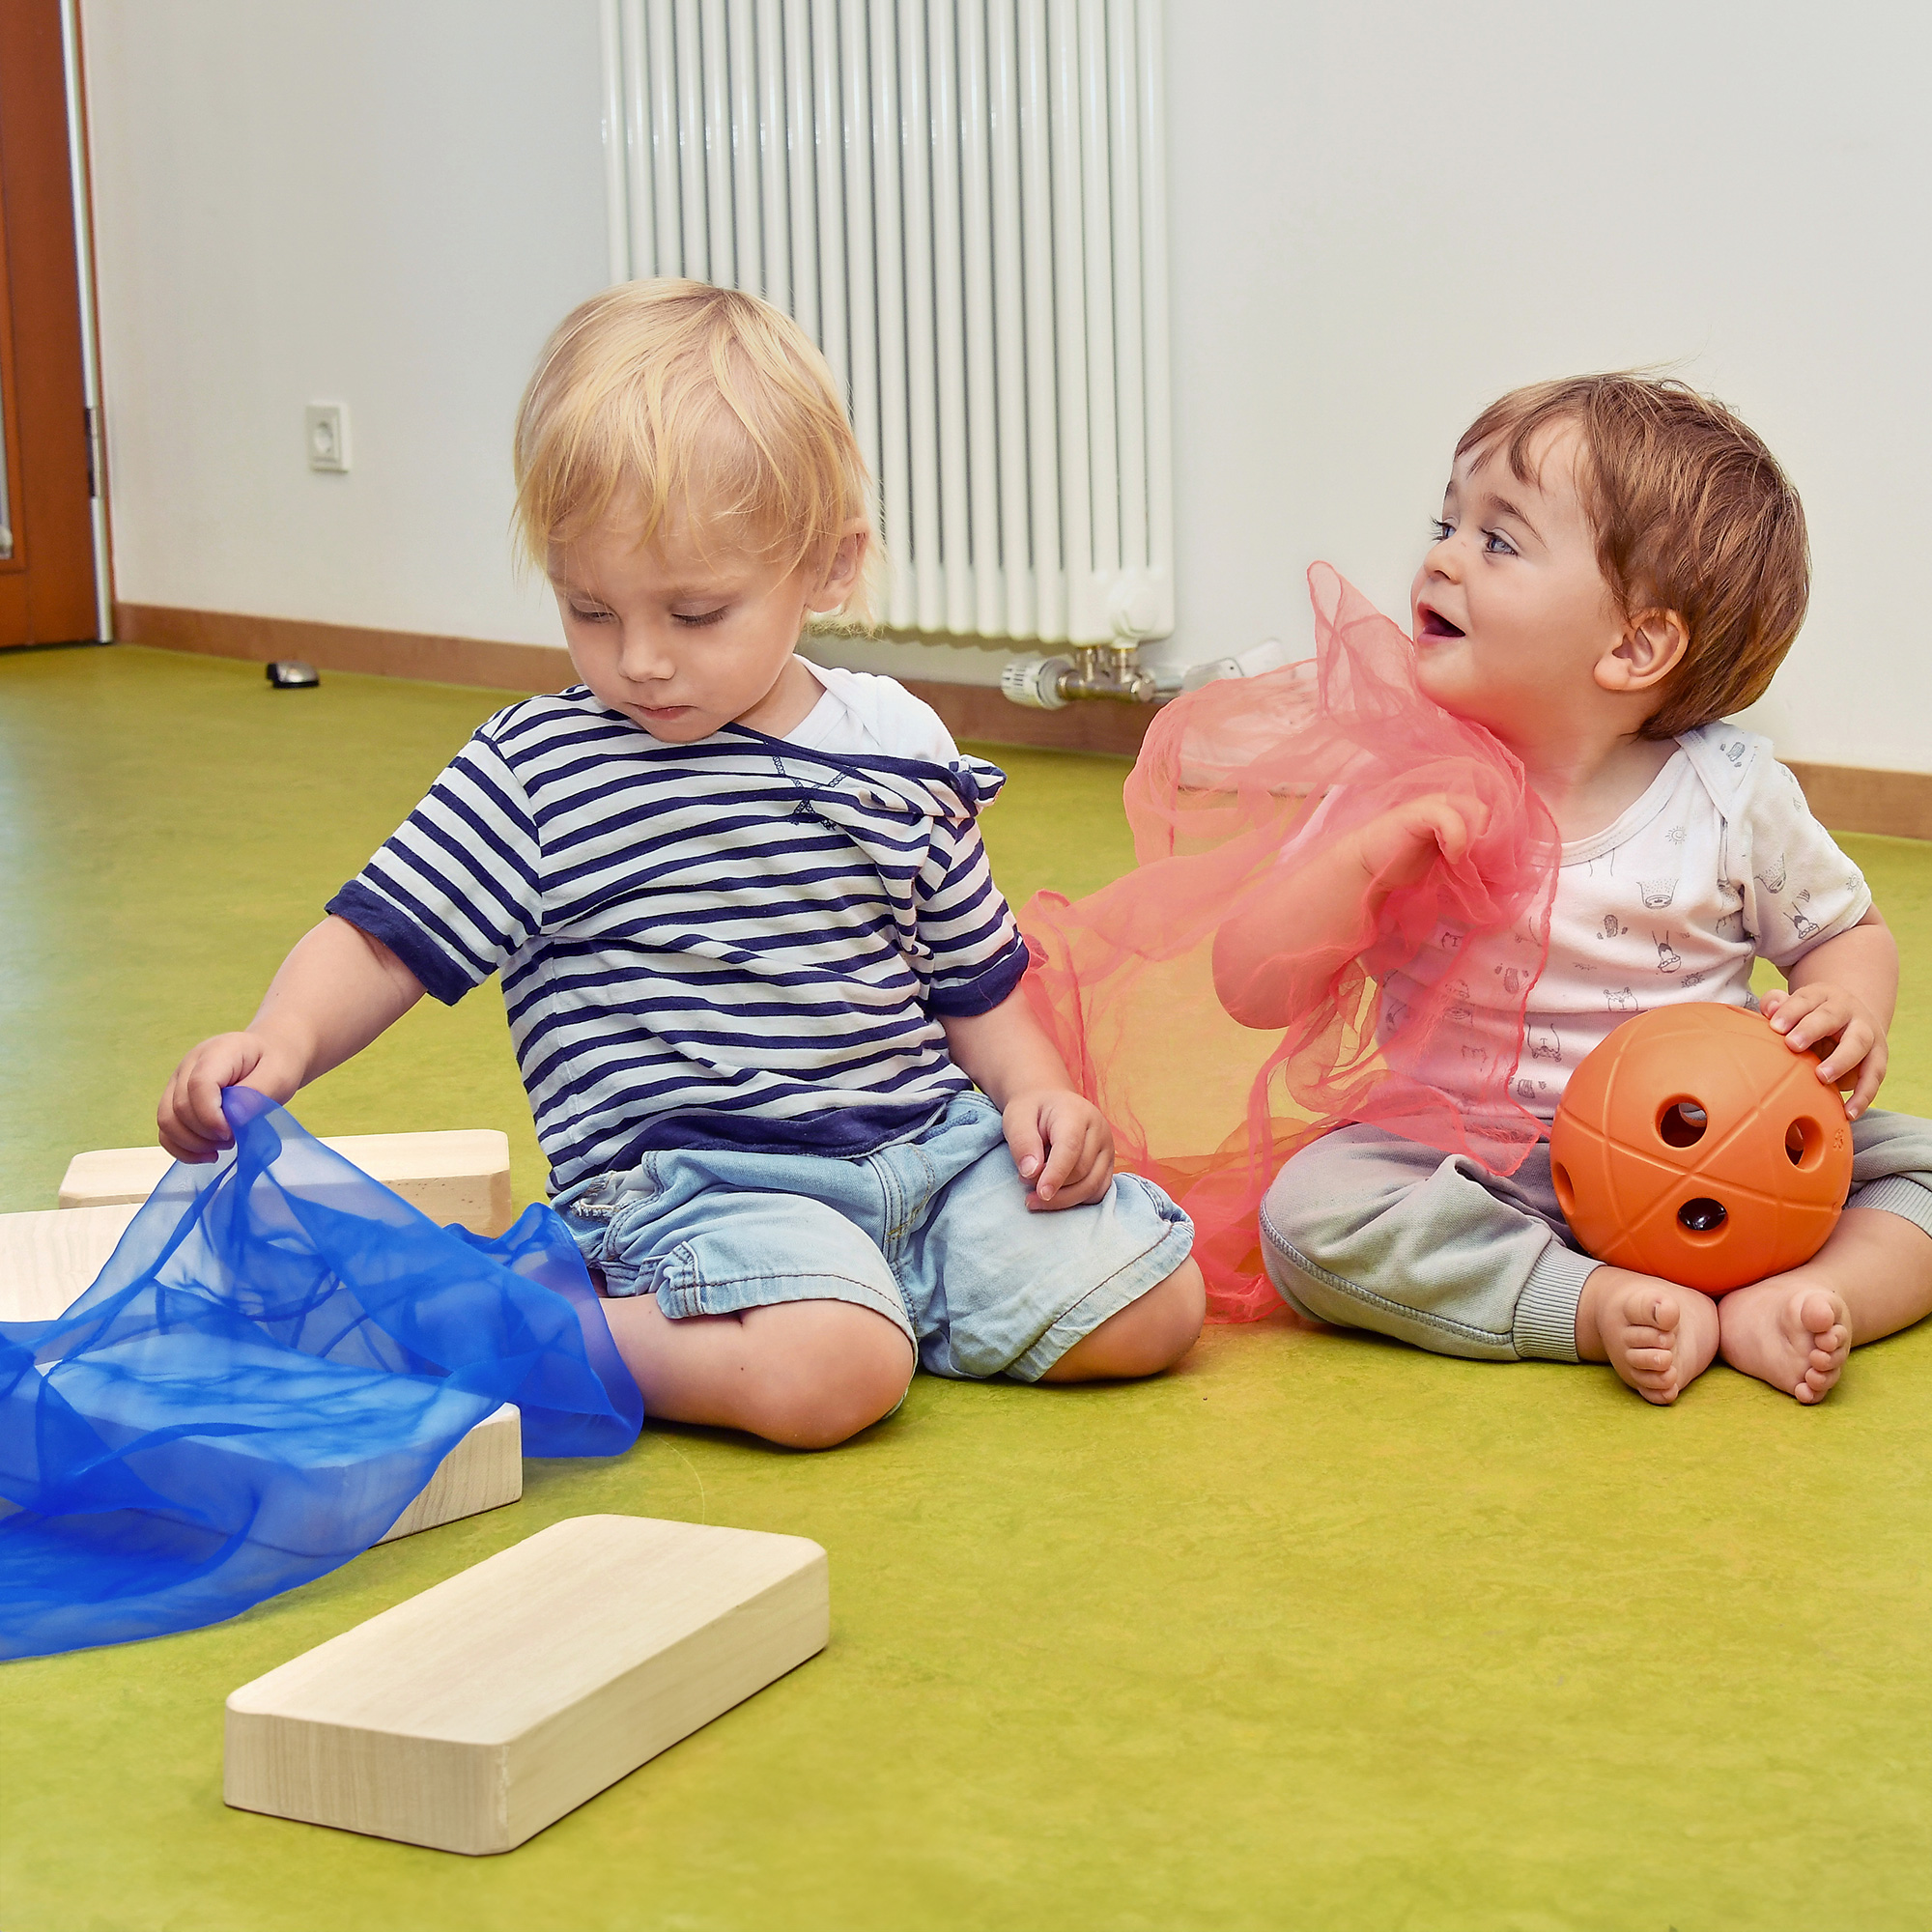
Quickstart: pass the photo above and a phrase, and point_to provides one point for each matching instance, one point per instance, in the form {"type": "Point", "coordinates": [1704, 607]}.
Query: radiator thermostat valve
{"type": "Point", "coordinates": [1034, 681]}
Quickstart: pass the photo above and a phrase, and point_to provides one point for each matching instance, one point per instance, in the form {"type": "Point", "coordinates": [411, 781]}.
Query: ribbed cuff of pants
{"type": "Point", "coordinates": [1898, 1194]}
{"type": "Point", "coordinates": [1546, 1314]}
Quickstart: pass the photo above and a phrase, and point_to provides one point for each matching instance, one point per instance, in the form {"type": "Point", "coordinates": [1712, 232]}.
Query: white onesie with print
{"type": "Point", "coordinates": [1719, 864]}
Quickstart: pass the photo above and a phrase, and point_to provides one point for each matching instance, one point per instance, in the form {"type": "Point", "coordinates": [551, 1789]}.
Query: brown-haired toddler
{"type": "Point", "coordinates": [1619, 563]}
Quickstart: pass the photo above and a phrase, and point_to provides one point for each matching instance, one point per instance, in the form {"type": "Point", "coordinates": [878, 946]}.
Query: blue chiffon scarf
{"type": "Point", "coordinates": [262, 1377]}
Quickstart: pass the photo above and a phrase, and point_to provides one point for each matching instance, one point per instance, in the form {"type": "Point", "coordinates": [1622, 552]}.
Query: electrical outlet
{"type": "Point", "coordinates": [328, 435]}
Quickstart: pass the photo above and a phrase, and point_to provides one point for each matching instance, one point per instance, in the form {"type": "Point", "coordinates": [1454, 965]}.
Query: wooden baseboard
{"type": "Point", "coordinates": [1848, 798]}
{"type": "Point", "coordinates": [406, 654]}
{"type": "Point", "coordinates": [973, 710]}
{"type": "Point", "coordinates": [980, 714]}
{"type": "Point", "coordinates": [1851, 797]}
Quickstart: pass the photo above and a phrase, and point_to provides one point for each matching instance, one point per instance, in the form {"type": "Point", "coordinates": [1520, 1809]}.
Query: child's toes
{"type": "Point", "coordinates": [1818, 1316]}
{"type": "Point", "coordinates": [1653, 1313]}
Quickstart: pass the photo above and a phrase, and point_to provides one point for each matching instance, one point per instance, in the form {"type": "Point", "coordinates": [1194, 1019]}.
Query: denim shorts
{"type": "Point", "coordinates": [931, 1232]}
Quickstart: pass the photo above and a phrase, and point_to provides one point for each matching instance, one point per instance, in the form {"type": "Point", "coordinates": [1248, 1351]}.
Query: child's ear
{"type": "Point", "coordinates": [1652, 646]}
{"type": "Point", "coordinates": [843, 572]}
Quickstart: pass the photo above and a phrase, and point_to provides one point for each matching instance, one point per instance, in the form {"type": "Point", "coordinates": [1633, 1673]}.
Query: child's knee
{"type": "Point", "coordinates": [1166, 1322]}
{"type": "Point", "coordinates": [1304, 1219]}
{"type": "Point", "coordinates": [1150, 1334]}
{"type": "Point", "coordinates": [1180, 1308]}
{"type": "Point", "coordinates": [835, 1370]}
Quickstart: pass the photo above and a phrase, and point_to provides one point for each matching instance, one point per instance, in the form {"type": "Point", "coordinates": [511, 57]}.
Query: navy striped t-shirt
{"type": "Point", "coordinates": [739, 941]}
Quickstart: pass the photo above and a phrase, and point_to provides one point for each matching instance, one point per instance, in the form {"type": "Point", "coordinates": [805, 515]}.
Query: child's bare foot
{"type": "Point", "coordinates": [1791, 1331]}
{"type": "Point", "coordinates": [1658, 1337]}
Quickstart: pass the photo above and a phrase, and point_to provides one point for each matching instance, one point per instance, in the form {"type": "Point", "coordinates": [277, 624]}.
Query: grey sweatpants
{"type": "Point", "coordinates": [1366, 1229]}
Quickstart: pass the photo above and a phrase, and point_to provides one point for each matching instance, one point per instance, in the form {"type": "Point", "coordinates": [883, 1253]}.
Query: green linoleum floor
{"type": "Point", "coordinates": [1317, 1632]}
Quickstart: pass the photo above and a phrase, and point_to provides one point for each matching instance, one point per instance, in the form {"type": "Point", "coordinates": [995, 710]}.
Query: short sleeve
{"type": "Point", "coordinates": [965, 923]}
{"type": "Point", "coordinates": [884, 717]}
{"type": "Point", "coordinates": [1799, 889]}
{"type": "Point", "coordinates": [458, 887]}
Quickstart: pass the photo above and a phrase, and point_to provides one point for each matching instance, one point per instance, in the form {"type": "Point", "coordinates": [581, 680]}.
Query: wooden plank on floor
{"type": "Point", "coordinates": [472, 1716]}
{"type": "Point", "coordinates": [461, 1175]}
{"type": "Point", "coordinates": [50, 1259]}
{"type": "Point", "coordinates": [484, 1471]}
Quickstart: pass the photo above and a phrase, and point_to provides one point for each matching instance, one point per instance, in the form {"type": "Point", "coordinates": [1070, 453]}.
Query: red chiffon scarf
{"type": "Point", "coordinates": [1414, 1022]}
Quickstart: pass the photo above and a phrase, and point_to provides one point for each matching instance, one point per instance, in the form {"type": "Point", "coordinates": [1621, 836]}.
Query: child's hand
{"type": "Point", "coordinates": [1399, 847]}
{"type": "Point", "coordinates": [190, 1116]}
{"type": "Point", "coordinates": [1062, 1139]}
{"type": "Point", "coordinates": [1820, 1014]}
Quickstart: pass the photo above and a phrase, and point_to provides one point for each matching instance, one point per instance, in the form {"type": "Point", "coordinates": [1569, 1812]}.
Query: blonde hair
{"type": "Point", "coordinates": [1690, 514]}
{"type": "Point", "coordinates": [684, 398]}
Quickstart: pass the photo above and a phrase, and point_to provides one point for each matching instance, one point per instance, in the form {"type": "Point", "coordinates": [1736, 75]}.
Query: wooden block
{"type": "Point", "coordinates": [462, 1177]}
{"type": "Point", "coordinates": [484, 1471]}
{"type": "Point", "coordinates": [49, 1260]}
{"type": "Point", "coordinates": [472, 1716]}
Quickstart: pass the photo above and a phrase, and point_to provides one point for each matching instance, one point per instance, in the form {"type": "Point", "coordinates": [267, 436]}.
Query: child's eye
{"type": "Point", "coordinates": [1497, 545]}
{"type": "Point", "coordinates": [1440, 531]}
{"type": "Point", "coordinates": [584, 616]}
{"type": "Point", "coordinates": [694, 620]}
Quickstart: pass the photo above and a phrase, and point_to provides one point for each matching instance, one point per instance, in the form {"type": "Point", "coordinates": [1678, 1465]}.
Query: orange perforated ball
{"type": "Point", "coordinates": [1693, 1144]}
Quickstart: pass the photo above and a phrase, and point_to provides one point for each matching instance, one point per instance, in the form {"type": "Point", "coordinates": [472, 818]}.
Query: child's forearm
{"type": "Point", "coordinates": [336, 991]}
{"type": "Point", "coordinates": [1005, 1051]}
{"type": "Point", "coordinates": [1864, 962]}
{"type": "Point", "coordinates": [1320, 911]}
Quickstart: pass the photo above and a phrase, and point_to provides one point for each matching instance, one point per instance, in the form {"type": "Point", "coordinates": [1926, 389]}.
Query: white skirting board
{"type": "Point", "coordinates": [472, 1716]}
{"type": "Point", "coordinates": [463, 1175]}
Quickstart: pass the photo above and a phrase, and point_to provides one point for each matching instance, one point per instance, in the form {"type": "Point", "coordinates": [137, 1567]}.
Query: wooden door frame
{"type": "Point", "coordinates": [51, 588]}
{"type": "Point", "coordinates": [80, 167]}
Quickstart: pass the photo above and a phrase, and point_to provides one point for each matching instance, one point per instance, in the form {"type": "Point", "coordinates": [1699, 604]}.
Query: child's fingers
{"type": "Point", "coordinates": [1451, 833]}
{"type": "Point", "coordinates": [1820, 1019]}
{"type": "Point", "coordinates": [1023, 1141]}
{"type": "Point", "coordinates": [1096, 1173]}
{"type": "Point", "coordinates": [1457, 824]}
{"type": "Point", "coordinates": [203, 1099]}
{"type": "Point", "coordinates": [1092, 1172]}
{"type": "Point", "coordinates": [191, 1107]}
{"type": "Point", "coordinates": [1785, 1010]}
{"type": "Point", "coordinates": [1847, 1051]}
{"type": "Point", "coordinates": [1817, 1031]}
{"type": "Point", "coordinates": [1871, 1077]}
{"type": "Point", "coordinates": [1062, 1162]}
{"type": "Point", "coordinates": [178, 1136]}
{"type": "Point", "coordinates": [195, 1153]}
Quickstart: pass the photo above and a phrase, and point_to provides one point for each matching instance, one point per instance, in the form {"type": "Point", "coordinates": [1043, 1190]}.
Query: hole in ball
{"type": "Point", "coordinates": [1703, 1215]}
{"type": "Point", "coordinates": [1803, 1140]}
{"type": "Point", "coordinates": [1566, 1195]}
{"type": "Point", "coordinates": [1682, 1124]}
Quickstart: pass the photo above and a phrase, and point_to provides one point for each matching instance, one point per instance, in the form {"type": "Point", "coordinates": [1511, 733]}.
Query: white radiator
{"type": "Point", "coordinates": [964, 203]}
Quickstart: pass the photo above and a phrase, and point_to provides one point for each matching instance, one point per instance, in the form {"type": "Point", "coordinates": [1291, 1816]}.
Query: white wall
{"type": "Point", "coordinates": [1384, 215]}
{"type": "Point", "coordinates": [386, 203]}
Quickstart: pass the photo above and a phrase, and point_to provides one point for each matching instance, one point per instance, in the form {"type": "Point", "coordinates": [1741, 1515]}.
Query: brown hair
{"type": "Point", "coordinates": [1692, 514]}
{"type": "Point", "coordinates": [680, 396]}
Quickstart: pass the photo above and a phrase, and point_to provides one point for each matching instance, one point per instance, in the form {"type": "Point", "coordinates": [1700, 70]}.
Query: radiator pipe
{"type": "Point", "coordinates": [1093, 670]}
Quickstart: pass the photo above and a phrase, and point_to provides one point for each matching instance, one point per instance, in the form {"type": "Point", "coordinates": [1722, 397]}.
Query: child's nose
{"type": "Point", "coordinates": [644, 656]}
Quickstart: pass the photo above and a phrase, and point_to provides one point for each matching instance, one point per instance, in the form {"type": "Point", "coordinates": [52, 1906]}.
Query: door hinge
{"type": "Point", "coordinates": [93, 417]}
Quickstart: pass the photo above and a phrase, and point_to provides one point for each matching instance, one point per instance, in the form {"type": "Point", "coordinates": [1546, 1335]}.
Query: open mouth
{"type": "Point", "coordinates": [1435, 625]}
